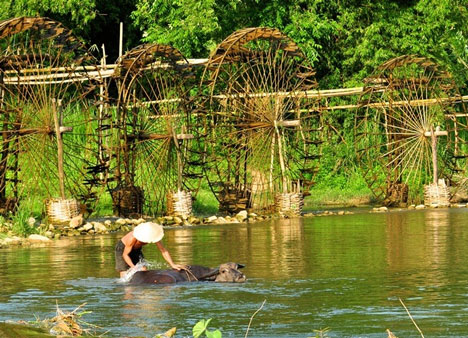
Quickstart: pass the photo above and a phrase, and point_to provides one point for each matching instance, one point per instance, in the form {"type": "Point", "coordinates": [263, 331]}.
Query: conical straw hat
{"type": "Point", "coordinates": [148, 232]}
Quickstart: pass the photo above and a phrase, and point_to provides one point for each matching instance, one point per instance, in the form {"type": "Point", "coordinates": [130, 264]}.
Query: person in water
{"type": "Point", "coordinates": [128, 249]}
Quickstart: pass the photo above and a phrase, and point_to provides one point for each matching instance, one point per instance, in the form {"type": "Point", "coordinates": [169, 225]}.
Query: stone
{"type": "Point", "coordinates": [38, 238]}
{"type": "Point", "coordinates": [74, 232]}
{"type": "Point", "coordinates": [169, 220]}
{"type": "Point", "coordinates": [139, 221]}
{"type": "Point", "coordinates": [107, 223]}
{"type": "Point", "coordinates": [88, 226]}
{"type": "Point", "coordinates": [31, 221]}
{"type": "Point", "coordinates": [49, 234]}
{"type": "Point", "coordinates": [210, 219]}
{"type": "Point", "coordinates": [220, 220]}
{"type": "Point", "coordinates": [380, 209]}
{"type": "Point", "coordinates": [99, 227]}
{"type": "Point", "coordinates": [121, 221]}
{"type": "Point", "coordinates": [178, 220]}
{"type": "Point", "coordinates": [242, 215]}
{"type": "Point", "coordinates": [434, 205]}
{"type": "Point", "coordinates": [341, 212]}
{"type": "Point", "coordinates": [252, 214]}
{"type": "Point", "coordinates": [11, 240]}
{"type": "Point", "coordinates": [412, 207]}
{"type": "Point", "coordinates": [194, 220]}
{"type": "Point", "coordinates": [420, 206]}
{"type": "Point", "coordinates": [76, 221]}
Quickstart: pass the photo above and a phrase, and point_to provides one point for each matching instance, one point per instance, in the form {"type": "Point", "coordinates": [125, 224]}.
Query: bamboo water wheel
{"type": "Point", "coordinates": [153, 131]}
{"type": "Point", "coordinates": [411, 130]}
{"type": "Point", "coordinates": [261, 138]}
{"type": "Point", "coordinates": [48, 90]}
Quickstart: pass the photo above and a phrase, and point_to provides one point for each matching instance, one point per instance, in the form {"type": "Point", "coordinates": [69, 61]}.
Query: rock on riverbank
{"type": "Point", "coordinates": [78, 227]}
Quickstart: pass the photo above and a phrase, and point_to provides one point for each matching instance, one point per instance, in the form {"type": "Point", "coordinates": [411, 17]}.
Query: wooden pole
{"type": "Point", "coordinates": [434, 154]}
{"type": "Point", "coordinates": [56, 110]}
{"type": "Point", "coordinates": [179, 158]}
{"type": "Point", "coordinates": [121, 40]}
{"type": "Point", "coordinates": [281, 160]}
{"type": "Point", "coordinates": [272, 161]}
{"type": "Point", "coordinates": [5, 147]}
{"type": "Point", "coordinates": [101, 114]}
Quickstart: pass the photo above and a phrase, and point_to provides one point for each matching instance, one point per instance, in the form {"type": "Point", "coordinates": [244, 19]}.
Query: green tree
{"type": "Point", "coordinates": [78, 12]}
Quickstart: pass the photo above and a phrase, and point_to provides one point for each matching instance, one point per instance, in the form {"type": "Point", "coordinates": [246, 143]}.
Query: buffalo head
{"type": "Point", "coordinates": [229, 273]}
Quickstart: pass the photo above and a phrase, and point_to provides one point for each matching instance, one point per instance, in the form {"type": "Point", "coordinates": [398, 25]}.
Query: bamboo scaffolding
{"type": "Point", "coordinates": [44, 79]}
{"type": "Point", "coordinates": [413, 103]}
{"type": "Point", "coordinates": [99, 72]}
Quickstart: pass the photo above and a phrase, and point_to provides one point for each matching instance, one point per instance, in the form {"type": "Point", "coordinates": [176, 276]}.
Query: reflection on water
{"type": "Point", "coordinates": [342, 272]}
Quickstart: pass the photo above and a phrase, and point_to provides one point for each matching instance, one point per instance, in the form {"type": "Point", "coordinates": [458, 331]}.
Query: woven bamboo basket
{"type": "Point", "coordinates": [289, 203]}
{"type": "Point", "coordinates": [128, 201]}
{"type": "Point", "coordinates": [62, 211]}
{"type": "Point", "coordinates": [232, 200]}
{"type": "Point", "coordinates": [179, 203]}
{"type": "Point", "coordinates": [437, 194]}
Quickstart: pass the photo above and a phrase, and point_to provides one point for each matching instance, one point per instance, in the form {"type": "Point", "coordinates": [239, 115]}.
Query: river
{"type": "Point", "coordinates": [346, 273]}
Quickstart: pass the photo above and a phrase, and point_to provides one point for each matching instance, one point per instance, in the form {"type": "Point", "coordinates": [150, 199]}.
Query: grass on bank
{"type": "Point", "coordinates": [339, 190]}
{"type": "Point", "coordinates": [205, 203]}
{"type": "Point", "coordinates": [20, 222]}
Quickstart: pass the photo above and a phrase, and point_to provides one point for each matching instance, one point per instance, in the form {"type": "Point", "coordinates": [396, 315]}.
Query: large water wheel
{"type": "Point", "coordinates": [48, 91]}
{"type": "Point", "coordinates": [260, 135]}
{"type": "Point", "coordinates": [411, 129]}
{"type": "Point", "coordinates": [153, 131]}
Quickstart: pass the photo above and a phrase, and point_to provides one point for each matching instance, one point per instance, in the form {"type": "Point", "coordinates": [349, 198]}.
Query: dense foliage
{"type": "Point", "coordinates": [345, 39]}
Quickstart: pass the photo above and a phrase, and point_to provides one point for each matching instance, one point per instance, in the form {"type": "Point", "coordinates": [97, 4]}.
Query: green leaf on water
{"type": "Point", "coordinates": [200, 327]}
{"type": "Point", "coordinates": [214, 334]}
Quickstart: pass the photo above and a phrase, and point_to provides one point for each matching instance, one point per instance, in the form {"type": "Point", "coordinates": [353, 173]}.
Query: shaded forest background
{"type": "Point", "coordinates": [345, 40]}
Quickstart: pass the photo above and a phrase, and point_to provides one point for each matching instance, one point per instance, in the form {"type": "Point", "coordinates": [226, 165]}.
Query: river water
{"type": "Point", "coordinates": [345, 273]}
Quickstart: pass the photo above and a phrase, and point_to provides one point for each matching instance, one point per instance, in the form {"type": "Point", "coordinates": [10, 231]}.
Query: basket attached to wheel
{"type": "Point", "coordinates": [62, 210]}
{"type": "Point", "coordinates": [179, 203]}
{"type": "Point", "coordinates": [289, 203]}
{"type": "Point", "coordinates": [127, 201]}
{"type": "Point", "coordinates": [437, 194]}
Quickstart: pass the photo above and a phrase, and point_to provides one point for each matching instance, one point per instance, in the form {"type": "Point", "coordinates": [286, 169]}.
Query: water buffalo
{"type": "Point", "coordinates": [225, 273]}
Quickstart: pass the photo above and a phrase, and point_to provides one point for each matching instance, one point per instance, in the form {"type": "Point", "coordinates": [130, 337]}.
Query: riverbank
{"type": "Point", "coordinates": [43, 234]}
